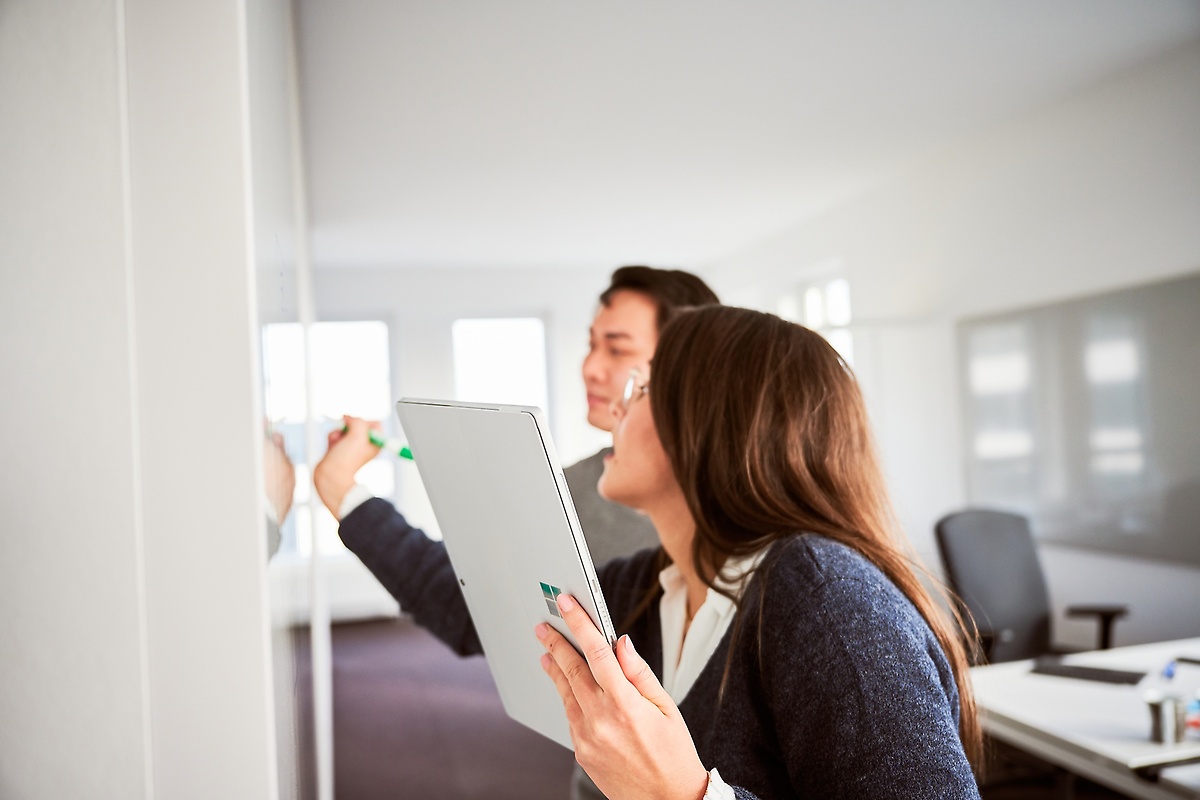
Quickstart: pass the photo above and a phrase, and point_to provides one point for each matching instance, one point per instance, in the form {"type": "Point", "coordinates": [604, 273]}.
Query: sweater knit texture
{"type": "Point", "coordinates": [831, 686]}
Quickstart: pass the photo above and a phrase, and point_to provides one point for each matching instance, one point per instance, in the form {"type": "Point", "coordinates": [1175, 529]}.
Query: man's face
{"type": "Point", "coordinates": [623, 336]}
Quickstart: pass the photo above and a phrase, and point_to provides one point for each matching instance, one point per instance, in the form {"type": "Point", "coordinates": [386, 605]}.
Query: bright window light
{"type": "Point", "coordinates": [837, 302]}
{"type": "Point", "coordinates": [997, 445]}
{"type": "Point", "coordinates": [843, 341]}
{"type": "Point", "coordinates": [1118, 463]}
{"type": "Point", "coordinates": [1116, 439]}
{"type": "Point", "coordinates": [350, 370]}
{"type": "Point", "coordinates": [500, 361]}
{"type": "Point", "coordinates": [283, 367]}
{"type": "Point", "coordinates": [788, 307]}
{"type": "Point", "coordinates": [1112, 361]}
{"type": "Point", "coordinates": [303, 483]}
{"type": "Point", "coordinates": [814, 308]}
{"type": "Point", "coordinates": [302, 537]}
{"type": "Point", "coordinates": [1003, 373]}
{"type": "Point", "coordinates": [350, 375]}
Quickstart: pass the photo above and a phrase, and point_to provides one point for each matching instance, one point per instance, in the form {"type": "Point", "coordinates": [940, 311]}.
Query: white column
{"type": "Point", "coordinates": [134, 647]}
{"type": "Point", "coordinates": [199, 421]}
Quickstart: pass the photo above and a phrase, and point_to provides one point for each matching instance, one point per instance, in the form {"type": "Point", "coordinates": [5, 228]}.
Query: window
{"type": "Point", "coordinates": [1113, 368]}
{"type": "Point", "coordinates": [825, 308]}
{"type": "Point", "coordinates": [1001, 381]}
{"type": "Point", "coordinates": [350, 374]}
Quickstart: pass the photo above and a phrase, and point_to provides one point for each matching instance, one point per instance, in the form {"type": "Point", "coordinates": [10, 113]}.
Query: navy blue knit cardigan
{"type": "Point", "coordinates": [836, 687]}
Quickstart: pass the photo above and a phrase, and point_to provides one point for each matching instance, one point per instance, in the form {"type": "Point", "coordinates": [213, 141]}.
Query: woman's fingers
{"type": "Point", "coordinates": [605, 670]}
{"type": "Point", "coordinates": [560, 681]}
{"type": "Point", "coordinates": [570, 704]}
{"type": "Point", "coordinates": [642, 677]}
{"type": "Point", "coordinates": [627, 732]}
{"type": "Point", "coordinates": [568, 662]}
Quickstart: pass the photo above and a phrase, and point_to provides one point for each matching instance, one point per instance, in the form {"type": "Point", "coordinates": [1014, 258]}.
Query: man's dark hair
{"type": "Point", "coordinates": [670, 289]}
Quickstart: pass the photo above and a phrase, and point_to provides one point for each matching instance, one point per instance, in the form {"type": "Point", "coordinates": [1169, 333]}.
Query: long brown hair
{"type": "Point", "coordinates": [768, 436]}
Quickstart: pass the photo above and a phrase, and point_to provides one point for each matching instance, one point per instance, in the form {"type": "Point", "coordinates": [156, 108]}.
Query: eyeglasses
{"type": "Point", "coordinates": [635, 387]}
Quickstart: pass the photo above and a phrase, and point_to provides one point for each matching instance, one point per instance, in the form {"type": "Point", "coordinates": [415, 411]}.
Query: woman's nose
{"type": "Point", "coordinates": [617, 409]}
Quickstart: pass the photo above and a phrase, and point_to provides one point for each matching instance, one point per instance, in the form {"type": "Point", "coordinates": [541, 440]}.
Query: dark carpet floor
{"type": "Point", "coordinates": [412, 719]}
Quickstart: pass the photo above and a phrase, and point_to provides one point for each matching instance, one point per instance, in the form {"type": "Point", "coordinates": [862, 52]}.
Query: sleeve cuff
{"type": "Point", "coordinates": [717, 788]}
{"type": "Point", "coordinates": [354, 498]}
{"type": "Point", "coordinates": [272, 514]}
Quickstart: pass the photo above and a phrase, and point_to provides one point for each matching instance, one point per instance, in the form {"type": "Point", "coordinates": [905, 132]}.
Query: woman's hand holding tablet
{"type": "Point", "coordinates": [628, 732]}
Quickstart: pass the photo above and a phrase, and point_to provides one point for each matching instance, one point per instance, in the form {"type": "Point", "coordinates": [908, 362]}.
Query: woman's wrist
{"type": "Point", "coordinates": [717, 789]}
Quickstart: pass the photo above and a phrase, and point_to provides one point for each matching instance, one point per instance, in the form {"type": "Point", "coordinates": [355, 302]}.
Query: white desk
{"type": "Point", "coordinates": [1099, 731]}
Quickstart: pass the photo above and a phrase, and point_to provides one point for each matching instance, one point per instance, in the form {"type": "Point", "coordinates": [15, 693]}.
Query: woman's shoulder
{"type": "Point", "coordinates": [829, 598]}
{"type": "Point", "coordinates": [822, 577]}
{"type": "Point", "coordinates": [810, 560]}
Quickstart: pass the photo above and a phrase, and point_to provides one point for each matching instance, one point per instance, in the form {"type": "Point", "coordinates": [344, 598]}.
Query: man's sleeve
{"type": "Point", "coordinates": [414, 569]}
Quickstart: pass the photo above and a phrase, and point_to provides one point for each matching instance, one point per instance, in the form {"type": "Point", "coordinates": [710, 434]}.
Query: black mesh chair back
{"type": "Point", "coordinates": [992, 565]}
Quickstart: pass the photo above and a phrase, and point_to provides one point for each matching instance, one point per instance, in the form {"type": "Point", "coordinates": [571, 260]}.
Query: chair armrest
{"type": "Point", "coordinates": [980, 651]}
{"type": "Point", "coordinates": [1105, 615]}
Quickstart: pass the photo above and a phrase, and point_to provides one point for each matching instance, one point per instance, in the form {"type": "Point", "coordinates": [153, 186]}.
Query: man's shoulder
{"type": "Point", "coordinates": [582, 477]}
{"type": "Point", "coordinates": [611, 529]}
{"type": "Point", "coordinates": [585, 468]}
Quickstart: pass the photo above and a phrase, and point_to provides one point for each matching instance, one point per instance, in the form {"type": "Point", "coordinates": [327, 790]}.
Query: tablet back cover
{"type": "Point", "coordinates": [513, 538]}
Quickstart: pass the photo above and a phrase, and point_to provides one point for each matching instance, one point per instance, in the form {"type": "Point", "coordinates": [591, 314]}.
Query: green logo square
{"type": "Point", "coordinates": [550, 593]}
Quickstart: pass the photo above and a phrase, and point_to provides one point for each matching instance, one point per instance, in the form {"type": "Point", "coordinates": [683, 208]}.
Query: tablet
{"type": "Point", "coordinates": [514, 540]}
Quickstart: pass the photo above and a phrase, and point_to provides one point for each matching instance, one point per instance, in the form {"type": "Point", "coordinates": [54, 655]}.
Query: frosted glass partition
{"type": "Point", "coordinates": [1085, 416]}
{"type": "Point", "coordinates": [299, 632]}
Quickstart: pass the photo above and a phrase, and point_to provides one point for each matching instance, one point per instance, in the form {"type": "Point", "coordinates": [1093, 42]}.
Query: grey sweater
{"type": "Point", "coordinates": [836, 687]}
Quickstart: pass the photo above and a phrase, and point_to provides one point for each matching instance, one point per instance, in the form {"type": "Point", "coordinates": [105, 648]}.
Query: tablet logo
{"type": "Point", "coordinates": [551, 593]}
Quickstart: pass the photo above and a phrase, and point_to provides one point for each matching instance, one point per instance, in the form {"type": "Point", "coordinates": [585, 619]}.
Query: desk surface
{"type": "Point", "coordinates": [1098, 730]}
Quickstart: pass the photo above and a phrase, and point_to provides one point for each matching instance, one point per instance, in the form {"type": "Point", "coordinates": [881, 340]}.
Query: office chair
{"type": "Point", "coordinates": [992, 565]}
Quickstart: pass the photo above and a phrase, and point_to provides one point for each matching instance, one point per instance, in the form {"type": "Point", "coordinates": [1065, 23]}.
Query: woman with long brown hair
{"type": "Point", "coordinates": [787, 646]}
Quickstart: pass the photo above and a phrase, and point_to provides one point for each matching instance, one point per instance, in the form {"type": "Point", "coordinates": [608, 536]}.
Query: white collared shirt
{"type": "Point", "coordinates": [684, 656]}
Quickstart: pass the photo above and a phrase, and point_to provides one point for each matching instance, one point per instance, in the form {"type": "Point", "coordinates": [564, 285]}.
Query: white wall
{"type": "Point", "coordinates": [134, 646]}
{"type": "Point", "coordinates": [1099, 191]}
{"type": "Point", "coordinates": [73, 627]}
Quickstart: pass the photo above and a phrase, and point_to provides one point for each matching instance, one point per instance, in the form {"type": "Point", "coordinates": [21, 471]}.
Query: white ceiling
{"type": "Point", "coordinates": [566, 133]}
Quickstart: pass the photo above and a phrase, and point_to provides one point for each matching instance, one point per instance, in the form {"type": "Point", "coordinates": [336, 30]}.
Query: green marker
{"type": "Point", "coordinates": [394, 446]}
